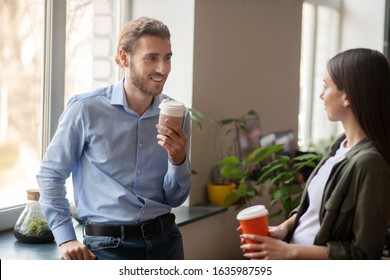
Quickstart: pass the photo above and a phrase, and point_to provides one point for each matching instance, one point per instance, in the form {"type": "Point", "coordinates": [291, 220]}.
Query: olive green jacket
{"type": "Point", "coordinates": [355, 210]}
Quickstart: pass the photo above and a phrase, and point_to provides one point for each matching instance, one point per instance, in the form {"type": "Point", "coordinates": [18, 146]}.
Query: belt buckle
{"type": "Point", "coordinates": [144, 230]}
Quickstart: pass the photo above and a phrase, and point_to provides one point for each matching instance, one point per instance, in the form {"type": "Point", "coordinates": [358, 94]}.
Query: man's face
{"type": "Point", "coordinates": [150, 64]}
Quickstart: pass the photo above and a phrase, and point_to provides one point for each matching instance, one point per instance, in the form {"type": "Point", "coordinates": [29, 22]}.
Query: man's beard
{"type": "Point", "coordinates": [136, 80]}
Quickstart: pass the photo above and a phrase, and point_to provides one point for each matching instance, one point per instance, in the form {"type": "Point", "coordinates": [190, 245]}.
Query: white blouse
{"type": "Point", "coordinates": [309, 223]}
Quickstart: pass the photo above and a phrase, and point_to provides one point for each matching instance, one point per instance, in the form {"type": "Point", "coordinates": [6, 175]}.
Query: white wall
{"type": "Point", "coordinates": [363, 24]}
{"type": "Point", "coordinates": [178, 15]}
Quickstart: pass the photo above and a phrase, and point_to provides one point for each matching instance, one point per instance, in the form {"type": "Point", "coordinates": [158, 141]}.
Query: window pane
{"type": "Point", "coordinates": [320, 41]}
{"type": "Point", "coordinates": [21, 46]}
{"type": "Point", "coordinates": [327, 45]}
{"type": "Point", "coordinates": [91, 32]}
{"type": "Point", "coordinates": [79, 19]}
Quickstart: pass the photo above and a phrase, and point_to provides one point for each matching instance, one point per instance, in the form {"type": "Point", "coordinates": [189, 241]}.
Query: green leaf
{"type": "Point", "coordinates": [196, 121]}
{"type": "Point", "coordinates": [196, 116]}
{"type": "Point", "coordinates": [275, 167]}
{"type": "Point", "coordinates": [226, 121]}
{"type": "Point", "coordinates": [278, 194]}
{"type": "Point", "coordinates": [252, 113]}
{"type": "Point", "coordinates": [295, 189]}
{"type": "Point", "coordinates": [231, 173]}
{"type": "Point", "coordinates": [197, 113]}
{"type": "Point", "coordinates": [229, 160]}
{"type": "Point", "coordinates": [263, 153]}
{"type": "Point", "coordinates": [231, 198]}
{"type": "Point", "coordinates": [278, 179]}
{"type": "Point", "coordinates": [306, 157]}
{"type": "Point", "coordinates": [242, 189]}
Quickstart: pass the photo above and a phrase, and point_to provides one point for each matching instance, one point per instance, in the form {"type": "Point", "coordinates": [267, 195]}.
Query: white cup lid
{"type": "Point", "coordinates": [172, 107]}
{"type": "Point", "coordinates": [252, 212]}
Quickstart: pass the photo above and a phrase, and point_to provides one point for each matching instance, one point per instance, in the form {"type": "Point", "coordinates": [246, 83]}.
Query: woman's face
{"type": "Point", "coordinates": [335, 101]}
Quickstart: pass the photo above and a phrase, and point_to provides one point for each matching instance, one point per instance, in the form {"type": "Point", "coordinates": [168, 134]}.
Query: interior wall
{"type": "Point", "coordinates": [214, 238]}
{"type": "Point", "coordinates": [246, 56]}
{"type": "Point", "coordinates": [363, 17]}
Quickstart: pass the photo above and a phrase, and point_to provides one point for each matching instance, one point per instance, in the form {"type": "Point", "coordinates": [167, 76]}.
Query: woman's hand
{"type": "Point", "coordinates": [268, 248]}
{"type": "Point", "coordinates": [265, 248]}
{"type": "Point", "coordinates": [278, 232]}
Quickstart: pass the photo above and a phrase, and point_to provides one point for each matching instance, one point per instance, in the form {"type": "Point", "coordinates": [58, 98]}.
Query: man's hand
{"type": "Point", "coordinates": [74, 250]}
{"type": "Point", "coordinates": [172, 139]}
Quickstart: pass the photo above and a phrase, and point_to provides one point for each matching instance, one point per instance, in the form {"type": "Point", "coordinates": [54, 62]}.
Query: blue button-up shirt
{"type": "Point", "coordinates": [120, 174]}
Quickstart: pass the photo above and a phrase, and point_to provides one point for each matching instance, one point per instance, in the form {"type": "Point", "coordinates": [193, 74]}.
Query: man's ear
{"type": "Point", "coordinates": [123, 58]}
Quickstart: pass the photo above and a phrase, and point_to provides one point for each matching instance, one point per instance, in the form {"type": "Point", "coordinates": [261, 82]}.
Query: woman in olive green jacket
{"type": "Point", "coordinates": [345, 208]}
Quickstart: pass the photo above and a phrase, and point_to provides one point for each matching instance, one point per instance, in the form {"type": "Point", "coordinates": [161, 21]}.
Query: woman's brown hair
{"type": "Point", "coordinates": [364, 74]}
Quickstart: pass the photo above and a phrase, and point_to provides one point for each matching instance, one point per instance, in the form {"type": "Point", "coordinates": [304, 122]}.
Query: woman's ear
{"type": "Point", "coordinates": [346, 102]}
{"type": "Point", "coordinates": [123, 58]}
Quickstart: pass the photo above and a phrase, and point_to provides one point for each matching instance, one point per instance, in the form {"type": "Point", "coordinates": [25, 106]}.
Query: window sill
{"type": "Point", "coordinates": [9, 216]}
{"type": "Point", "coordinates": [12, 249]}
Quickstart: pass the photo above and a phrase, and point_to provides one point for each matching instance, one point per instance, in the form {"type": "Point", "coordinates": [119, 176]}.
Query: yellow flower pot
{"type": "Point", "coordinates": [218, 191]}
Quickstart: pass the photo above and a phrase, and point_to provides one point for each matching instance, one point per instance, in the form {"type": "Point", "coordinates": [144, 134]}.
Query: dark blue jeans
{"type": "Point", "coordinates": [165, 245]}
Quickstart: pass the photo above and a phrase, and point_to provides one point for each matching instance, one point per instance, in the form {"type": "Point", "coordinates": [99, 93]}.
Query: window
{"type": "Point", "coordinates": [21, 55]}
{"type": "Point", "coordinates": [91, 38]}
{"type": "Point", "coordinates": [320, 41]}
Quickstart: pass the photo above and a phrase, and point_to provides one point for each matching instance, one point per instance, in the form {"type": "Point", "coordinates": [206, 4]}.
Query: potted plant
{"type": "Point", "coordinates": [219, 186]}
{"type": "Point", "coordinates": [267, 166]}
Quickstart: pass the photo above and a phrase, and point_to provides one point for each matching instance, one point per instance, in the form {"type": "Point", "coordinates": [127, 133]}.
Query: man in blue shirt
{"type": "Point", "coordinates": [126, 175]}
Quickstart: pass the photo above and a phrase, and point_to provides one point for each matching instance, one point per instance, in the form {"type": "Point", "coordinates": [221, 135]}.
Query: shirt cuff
{"type": "Point", "coordinates": [64, 233]}
{"type": "Point", "coordinates": [179, 171]}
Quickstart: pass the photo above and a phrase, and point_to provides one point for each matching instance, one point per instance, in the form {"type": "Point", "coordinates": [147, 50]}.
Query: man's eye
{"type": "Point", "coordinates": [151, 58]}
{"type": "Point", "coordinates": [167, 58]}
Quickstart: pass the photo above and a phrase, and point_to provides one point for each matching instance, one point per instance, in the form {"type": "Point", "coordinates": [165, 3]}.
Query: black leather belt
{"type": "Point", "coordinates": [145, 230]}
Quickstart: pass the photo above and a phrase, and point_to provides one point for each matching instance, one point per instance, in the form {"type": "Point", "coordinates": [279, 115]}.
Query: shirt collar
{"type": "Point", "coordinates": [118, 94]}
{"type": "Point", "coordinates": [118, 97]}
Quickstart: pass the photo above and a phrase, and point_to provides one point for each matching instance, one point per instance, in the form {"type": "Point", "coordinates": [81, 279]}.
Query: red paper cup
{"type": "Point", "coordinates": [254, 220]}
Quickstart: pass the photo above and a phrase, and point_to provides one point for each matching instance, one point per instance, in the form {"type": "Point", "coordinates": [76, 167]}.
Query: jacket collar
{"type": "Point", "coordinates": [365, 143]}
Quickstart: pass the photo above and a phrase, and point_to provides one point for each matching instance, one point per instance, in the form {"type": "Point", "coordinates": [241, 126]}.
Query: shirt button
{"type": "Point", "coordinates": [140, 144]}
{"type": "Point", "coordinates": [138, 171]}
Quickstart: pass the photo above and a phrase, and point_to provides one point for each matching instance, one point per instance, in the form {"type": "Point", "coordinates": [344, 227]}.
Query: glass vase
{"type": "Point", "coordinates": [32, 226]}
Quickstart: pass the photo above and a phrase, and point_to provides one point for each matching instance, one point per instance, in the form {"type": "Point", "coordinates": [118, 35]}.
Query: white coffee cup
{"type": "Point", "coordinates": [172, 110]}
